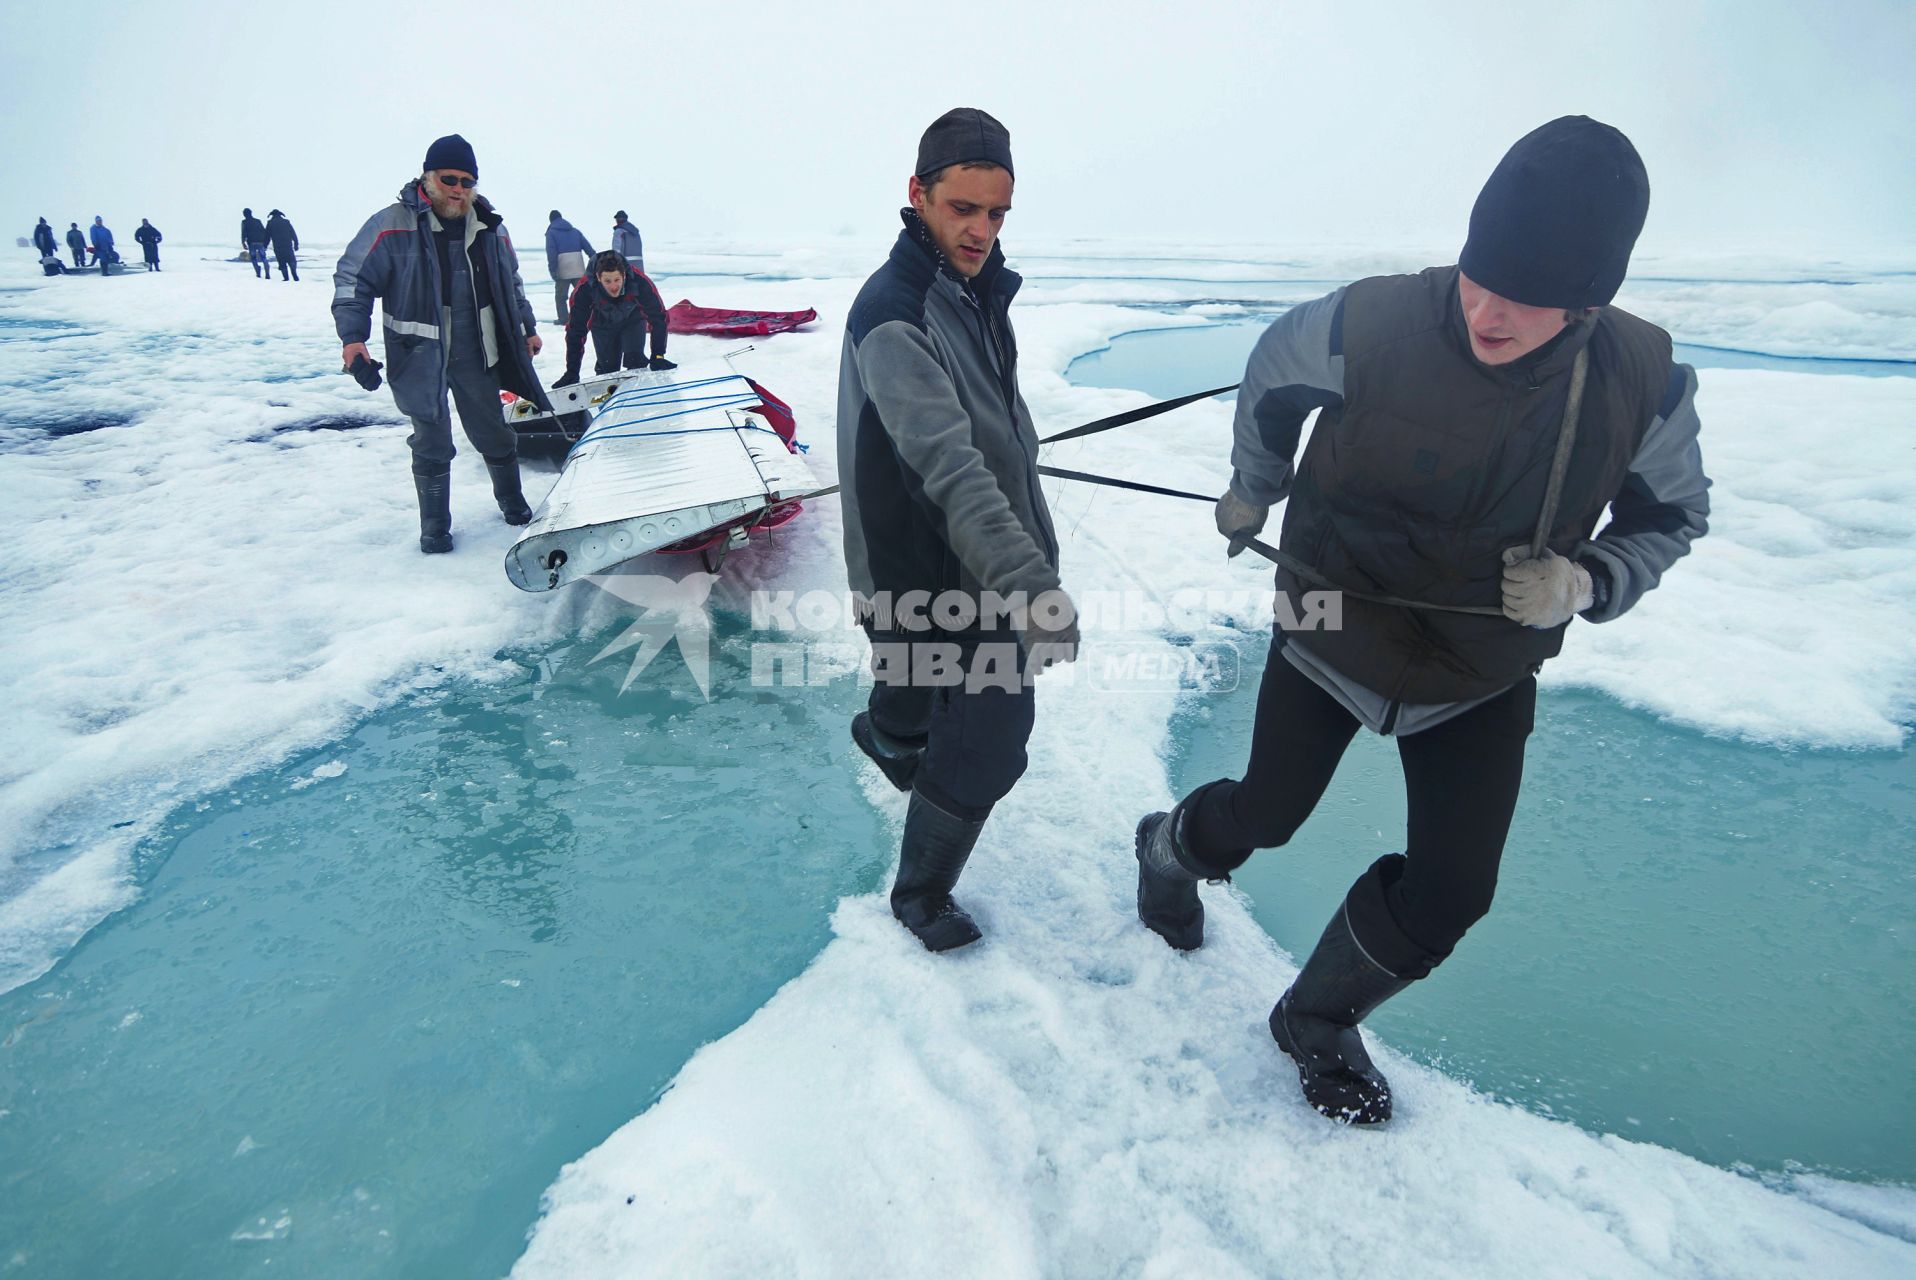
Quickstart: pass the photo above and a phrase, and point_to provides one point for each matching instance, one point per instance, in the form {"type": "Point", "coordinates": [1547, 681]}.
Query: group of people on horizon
{"type": "Point", "coordinates": [1475, 424]}
{"type": "Point", "coordinates": [278, 234]}
{"type": "Point", "coordinates": [97, 240]}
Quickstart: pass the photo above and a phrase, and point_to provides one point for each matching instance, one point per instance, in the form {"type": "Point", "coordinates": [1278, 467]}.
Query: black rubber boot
{"type": "Point", "coordinates": [1168, 902]}
{"type": "Point", "coordinates": [435, 510]}
{"type": "Point", "coordinates": [505, 488]}
{"type": "Point", "coordinates": [897, 760]}
{"type": "Point", "coordinates": [1315, 1022]}
{"type": "Point", "coordinates": [1168, 873]}
{"type": "Point", "coordinates": [931, 857]}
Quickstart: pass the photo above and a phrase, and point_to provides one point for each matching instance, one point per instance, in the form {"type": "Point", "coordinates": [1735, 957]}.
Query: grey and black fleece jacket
{"type": "Point", "coordinates": [936, 451]}
{"type": "Point", "coordinates": [1426, 463]}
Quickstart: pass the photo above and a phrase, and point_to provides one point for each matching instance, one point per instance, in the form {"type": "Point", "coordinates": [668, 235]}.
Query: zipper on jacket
{"type": "Point", "coordinates": [1009, 383]}
{"type": "Point", "coordinates": [1002, 363]}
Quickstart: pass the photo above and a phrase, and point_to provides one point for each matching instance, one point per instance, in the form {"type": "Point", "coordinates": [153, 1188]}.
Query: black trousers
{"type": "Point", "coordinates": [624, 343]}
{"type": "Point", "coordinates": [973, 729]}
{"type": "Point", "coordinates": [1461, 780]}
{"type": "Point", "coordinates": [288, 263]}
{"type": "Point", "coordinates": [476, 393]}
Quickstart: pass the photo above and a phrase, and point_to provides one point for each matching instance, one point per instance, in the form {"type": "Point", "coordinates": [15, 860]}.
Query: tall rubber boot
{"type": "Point", "coordinates": [435, 510]}
{"type": "Point", "coordinates": [1315, 1022]}
{"type": "Point", "coordinates": [1168, 873]}
{"type": "Point", "coordinates": [930, 859]}
{"type": "Point", "coordinates": [896, 759]}
{"type": "Point", "coordinates": [505, 488]}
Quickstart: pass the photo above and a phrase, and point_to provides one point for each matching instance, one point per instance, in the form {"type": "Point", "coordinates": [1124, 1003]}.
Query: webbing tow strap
{"type": "Point", "coordinates": [1130, 416]}
{"type": "Point", "coordinates": [1265, 549]}
{"type": "Point", "coordinates": [1116, 420]}
{"type": "Point", "coordinates": [1553, 491]}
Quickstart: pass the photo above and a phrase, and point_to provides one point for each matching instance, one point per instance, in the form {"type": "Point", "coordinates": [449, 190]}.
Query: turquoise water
{"type": "Point", "coordinates": [1171, 362]}
{"type": "Point", "coordinates": [1696, 942]}
{"type": "Point", "coordinates": [355, 1024]}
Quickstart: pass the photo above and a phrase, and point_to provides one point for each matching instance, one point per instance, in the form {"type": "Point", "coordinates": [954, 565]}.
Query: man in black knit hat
{"type": "Point", "coordinates": [456, 322]}
{"type": "Point", "coordinates": [1474, 424]}
{"type": "Point", "coordinates": [942, 504]}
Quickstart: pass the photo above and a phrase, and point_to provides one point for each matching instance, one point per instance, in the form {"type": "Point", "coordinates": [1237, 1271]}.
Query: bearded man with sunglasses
{"type": "Point", "coordinates": [457, 322]}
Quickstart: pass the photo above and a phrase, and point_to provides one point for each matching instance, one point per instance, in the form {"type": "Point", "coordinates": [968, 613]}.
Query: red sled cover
{"type": "Point", "coordinates": [717, 322]}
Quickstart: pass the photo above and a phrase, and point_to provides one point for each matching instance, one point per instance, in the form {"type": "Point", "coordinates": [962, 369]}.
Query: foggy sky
{"type": "Point", "coordinates": [1763, 125]}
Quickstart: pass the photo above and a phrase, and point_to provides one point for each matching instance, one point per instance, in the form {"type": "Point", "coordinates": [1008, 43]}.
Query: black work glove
{"type": "Point", "coordinates": [660, 364]}
{"type": "Point", "coordinates": [566, 379]}
{"type": "Point", "coordinates": [366, 372]}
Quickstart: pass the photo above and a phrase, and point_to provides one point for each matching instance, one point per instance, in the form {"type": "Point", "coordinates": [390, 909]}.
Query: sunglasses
{"type": "Point", "coordinates": [449, 180]}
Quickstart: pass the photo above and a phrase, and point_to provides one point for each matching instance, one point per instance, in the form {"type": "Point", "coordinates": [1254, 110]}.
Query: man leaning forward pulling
{"type": "Point", "coordinates": [1442, 398]}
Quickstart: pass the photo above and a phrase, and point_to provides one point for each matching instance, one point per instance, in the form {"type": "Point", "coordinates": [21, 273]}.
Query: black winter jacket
{"type": "Point", "coordinates": [593, 306]}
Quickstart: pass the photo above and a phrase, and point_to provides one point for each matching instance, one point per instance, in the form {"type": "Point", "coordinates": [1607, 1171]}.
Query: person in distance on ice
{"type": "Point", "coordinates": [43, 240]}
{"type": "Point", "coordinates": [76, 244]}
{"type": "Point", "coordinates": [285, 242]}
{"type": "Point", "coordinates": [567, 253]}
{"type": "Point", "coordinates": [441, 263]}
{"type": "Point", "coordinates": [102, 238]}
{"type": "Point", "coordinates": [253, 240]}
{"type": "Point", "coordinates": [1427, 480]}
{"type": "Point", "coordinates": [938, 460]}
{"type": "Point", "coordinates": [618, 305]}
{"type": "Point", "coordinates": [625, 240]}
{"type": "Point", "coordinates": [149, 237]}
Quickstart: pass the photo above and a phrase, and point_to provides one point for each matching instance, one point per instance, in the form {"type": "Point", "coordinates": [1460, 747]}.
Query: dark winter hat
{"type": "Point", "coordinates": [553, 216]}
{"type": "Point", "coordinates": [1555, 224]}
{"type": "Point", "coordinates": [451, 152]}
{"type": "Point", "coordinates": [619, 215]}
{"type": "Point", "coordinates": [276, 214]}
{"type": "Point", "coordinates": [960, 136]}
{"type": "Point", "coordinates": [247, 212]}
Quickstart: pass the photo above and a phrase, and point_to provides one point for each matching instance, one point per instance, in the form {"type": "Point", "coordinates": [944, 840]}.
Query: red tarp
{"type": "Point", "coordinates": [717, 322]}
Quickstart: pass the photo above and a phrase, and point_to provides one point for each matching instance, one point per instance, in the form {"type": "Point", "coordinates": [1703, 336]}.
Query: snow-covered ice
{"type": "Point", "coordinates": [224, 577]}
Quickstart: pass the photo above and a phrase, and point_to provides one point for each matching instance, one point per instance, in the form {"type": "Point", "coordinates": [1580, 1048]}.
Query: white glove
{"type": "Point", "coordinates": [1545, 592]}
{"type": "Point", "coordinates": [1239, 520]}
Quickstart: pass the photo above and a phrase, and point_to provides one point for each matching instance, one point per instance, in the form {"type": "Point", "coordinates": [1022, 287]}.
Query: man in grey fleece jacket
{"type": "Point", "coordinates": [948, 543]}
{"type": "Point", "coordinates": [1443, 398]}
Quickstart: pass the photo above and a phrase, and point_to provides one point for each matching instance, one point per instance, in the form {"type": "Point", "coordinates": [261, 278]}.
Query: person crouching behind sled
{"type": "Point", "coordinates": [938, 460]}
{"type": "Point", "coordinates": [1444, 397]}
{"type": "Point", "coordinates": [457, 320]}
{"type": "Point", "coordinates": [619, 307]}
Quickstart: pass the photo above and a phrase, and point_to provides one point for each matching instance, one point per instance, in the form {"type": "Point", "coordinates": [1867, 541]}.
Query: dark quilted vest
{"type": "Point", "coordinates": [1434, 463]}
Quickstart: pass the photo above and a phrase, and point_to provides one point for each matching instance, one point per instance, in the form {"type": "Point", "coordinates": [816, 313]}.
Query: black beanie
{"type": "Point", "coordinates": [1555, 224]}
{"type": "Point", "coordinates": [961, 136]}
{"type": "Point", "coordinates": [451, 152]}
